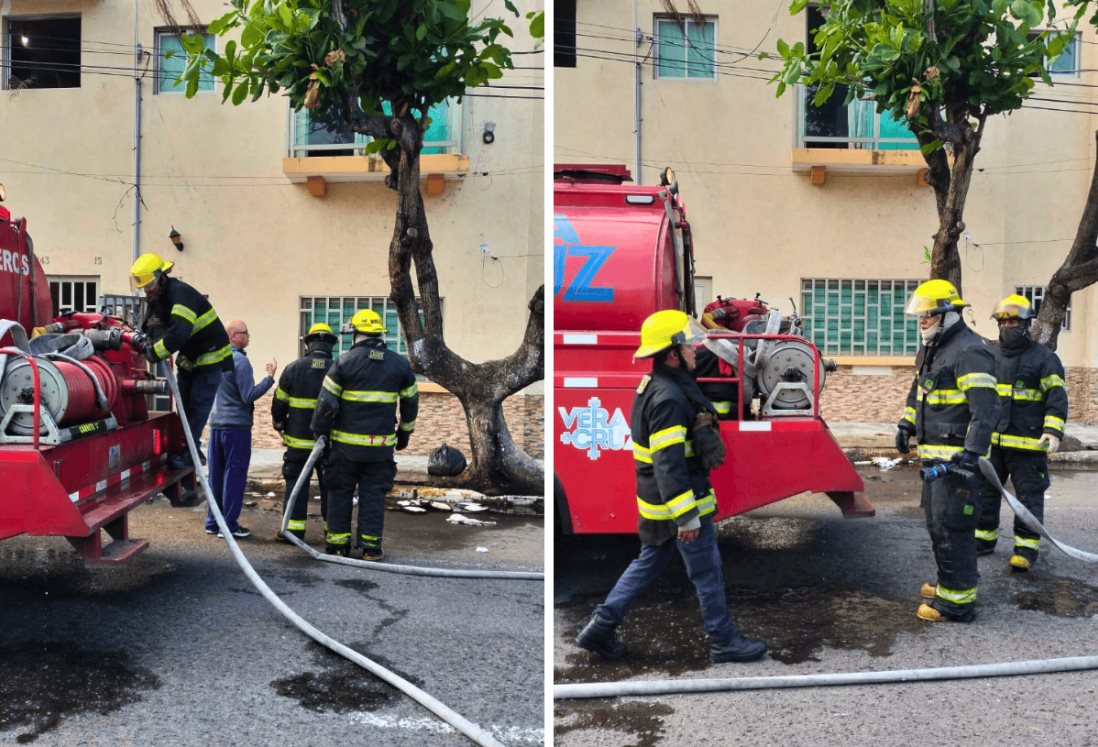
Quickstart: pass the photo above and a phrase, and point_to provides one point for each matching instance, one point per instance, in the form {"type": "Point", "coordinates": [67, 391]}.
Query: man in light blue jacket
{"type": "Point", "coordinates": [230, 451]}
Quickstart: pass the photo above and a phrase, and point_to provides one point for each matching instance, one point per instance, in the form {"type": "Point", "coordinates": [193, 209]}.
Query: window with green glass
{"type": "Point", "coordinates": [171, 61]}
{"type": "Point", "coordinates": [336, 312]}
{"type": "Point", "coordinates": [685, 48]}
{"type": "Point", "coordinates": [859, 317]}
{"type": "Point", "coordinates": [324, 135]}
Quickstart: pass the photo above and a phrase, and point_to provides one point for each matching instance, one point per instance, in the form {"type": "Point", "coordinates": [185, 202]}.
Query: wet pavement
{"type": "Point", "coordinates": [830, 595]}
{"type": "Point", "coordinates": [177, 647]}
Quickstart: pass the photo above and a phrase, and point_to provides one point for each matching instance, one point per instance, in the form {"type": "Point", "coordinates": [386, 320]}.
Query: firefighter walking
{"type": "Point", "coordinates": [674, 498]}
{"type": "Point", "coordinates": [1034, 405]}
{"type": "Point", "coordinates": [292, 414]}
{"type": "Point", "coordinates": [180, 319]}
{"type": "Point", "coordinates": [357, 409]}
{"type": "Point", "coordinates": [952, 409]}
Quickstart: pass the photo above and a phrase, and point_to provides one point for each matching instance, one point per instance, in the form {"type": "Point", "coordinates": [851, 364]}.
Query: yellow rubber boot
{"type": "Point", "coordinates": [928, 613]}
{"type": "Point", "coordinates": [1020, 563]}
{"type": "Point", "coordinates": [928, 591]}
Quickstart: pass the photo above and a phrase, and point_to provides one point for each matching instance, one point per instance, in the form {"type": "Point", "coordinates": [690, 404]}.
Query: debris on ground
{"type": "Point", "coordinates": [482, 549]}
{"type": "Point", "coordinates": [460, 519]}
{"type": "Point", "coordinates": [884, 463]}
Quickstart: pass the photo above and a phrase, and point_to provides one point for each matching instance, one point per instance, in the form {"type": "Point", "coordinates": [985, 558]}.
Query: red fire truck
{"type": "Point", "coordinates": [79, 447]}
{"type": "Point", "coordinates": [622, 252]}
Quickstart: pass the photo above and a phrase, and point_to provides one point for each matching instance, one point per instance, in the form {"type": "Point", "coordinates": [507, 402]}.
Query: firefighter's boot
{"type": "Point", "coordinates": [1020, 563]}
{"type": "Point", "coordinates": [928, 591]}
{"type": "Point", "coordinates": [599, 637]}
{"type": "Point", "coordinates": [928, 613]}
{"type": "Point", "coordinates": [739, 648]}
{"type": "Point", "coordinates": [344, 550]}
{"type": "Point", "coordinates": [373, 553]}
{"type": "Point", "coordinates": [985, 547]}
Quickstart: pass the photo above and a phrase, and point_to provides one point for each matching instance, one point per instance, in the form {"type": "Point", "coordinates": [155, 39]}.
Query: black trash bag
{"type": "Point", "coordinates": [445, 461]}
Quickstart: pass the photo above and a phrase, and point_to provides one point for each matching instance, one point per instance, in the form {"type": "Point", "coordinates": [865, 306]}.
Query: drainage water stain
{"type": "Point", "coordinates": [43, 683]}
{"type": "Point", "coordinates": [357, 584]}
{"type": "Point", "coordinates": [342, 686]}
{"type": "Point", "coordinates": [1063, 597]}
{"type": "Point", "coordinates": [644, 721]}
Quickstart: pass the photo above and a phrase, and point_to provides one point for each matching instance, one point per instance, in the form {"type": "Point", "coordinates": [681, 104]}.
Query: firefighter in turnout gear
{"type": "Point", "coordinates": [180, 320]}
{"type": "Point", "coordinates": [1034, 408]}
{"type": "Point", "coordinates": [357, 409]}
{"type": "Point", "coordinates": [292, 414]}
{"type": "Point", "coordinates": [951, 410]}
{"type": "Point", "coordinates": [674, 497]}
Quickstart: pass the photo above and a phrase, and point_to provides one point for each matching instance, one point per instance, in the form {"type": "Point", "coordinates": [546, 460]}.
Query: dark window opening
{"type": "Point", "coordinates": [44, 53]}
{"type": "Point", "coordinates": [564, 33]}
{"type": "Point", "coordinates": [831, 119]}
{"type": "Point", "coordinates": [328, 129]}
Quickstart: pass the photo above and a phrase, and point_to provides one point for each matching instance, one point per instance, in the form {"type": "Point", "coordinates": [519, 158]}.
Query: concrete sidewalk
{"type": "Point", "coordinates": [267, 465]}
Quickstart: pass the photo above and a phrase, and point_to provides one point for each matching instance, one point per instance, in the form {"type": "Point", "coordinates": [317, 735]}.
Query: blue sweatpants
{"type": "Point", "coordinates": [229, 455]}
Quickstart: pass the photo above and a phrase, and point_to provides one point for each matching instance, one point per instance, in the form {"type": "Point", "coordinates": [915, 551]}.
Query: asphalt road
{"type": "Point", "coordinates": [178, 648]}
{"type": "Point", "coordinates": [835, 595]}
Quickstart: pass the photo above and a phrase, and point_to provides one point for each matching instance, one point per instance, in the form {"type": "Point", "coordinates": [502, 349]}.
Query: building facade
{"type": "Point", "coordinates": [825, 209]}
{"type": "Point", "coordinates": [280, 219]}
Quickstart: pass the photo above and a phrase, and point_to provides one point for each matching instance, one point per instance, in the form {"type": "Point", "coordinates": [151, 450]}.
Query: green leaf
{"type": "Point", "coordinates": [240, 93]}
{"type": "Point", "coordinates": [797, 6]}
{"type": "Point", "coordinates": [537, 25]}
{"type": "Point", "coordinates": [783, 48]}
{"type": "Point", "coordinates": [421, 32]}
{"type": "Point", "coordinates": [926, 254]}
{"type": "Point", "coordinates": [451, 12]}
{"type": "Point", "coordinates": [930, 147]}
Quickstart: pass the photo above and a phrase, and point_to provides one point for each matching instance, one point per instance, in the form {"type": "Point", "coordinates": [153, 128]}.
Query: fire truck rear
{"type": "Point", "coordinates": [622, 252]}
{"type": "Point", "coordinates": [79, 447]}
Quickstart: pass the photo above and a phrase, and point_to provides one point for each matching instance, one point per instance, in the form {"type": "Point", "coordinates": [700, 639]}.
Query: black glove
{"type": "Point", "coordinates": [150, 355]}
{"type": "Point", "coordinates": [903, 435]}
{"type": "Point", "coordinates": [402, 439]}
{"type": "Point", "coordinates": [280, 426]}
{"type": "Point", "coordinates": [968, 459]}
{"type": "Point", "coordinates": [139, 341]}
{"type": "Point", "coordinates": [708, 444]}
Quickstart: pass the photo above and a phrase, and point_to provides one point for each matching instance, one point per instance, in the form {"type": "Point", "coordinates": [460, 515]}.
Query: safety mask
{"type": "Point", "coordinates": [1011, 337]}
{"type": "Point", "coordinates": [931, 332]}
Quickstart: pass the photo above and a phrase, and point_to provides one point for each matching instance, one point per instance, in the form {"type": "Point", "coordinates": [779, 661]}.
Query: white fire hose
{"type": "Point", "coordinates": [832, 679]}
{"type": "Point", "coordinates": [476, 733]}
{"type": "Point", "coordinates": [411, 570]}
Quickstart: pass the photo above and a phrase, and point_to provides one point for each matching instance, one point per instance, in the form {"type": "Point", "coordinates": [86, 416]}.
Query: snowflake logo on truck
{"type": "Point", "coordinates": [593, 428]}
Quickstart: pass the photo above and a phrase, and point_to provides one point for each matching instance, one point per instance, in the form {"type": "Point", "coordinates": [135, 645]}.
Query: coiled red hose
{"type": "Point", "coordinates": [82, 400]}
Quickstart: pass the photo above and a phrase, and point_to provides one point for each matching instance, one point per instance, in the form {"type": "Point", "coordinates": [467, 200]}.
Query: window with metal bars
{"type": "Point", "coordinates": [74, 294]}
{"type": "Point", "coordinates": [336, 311]}
{"type": "Point", "coordinates": [1036, 294]}
{"type": "Point", "coordinates": [859, 317]}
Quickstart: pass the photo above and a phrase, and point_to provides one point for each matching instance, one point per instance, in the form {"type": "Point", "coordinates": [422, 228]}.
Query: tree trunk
{"type": "Point", "coordinates": [1079, 269]}
{"type": "Point", "coordinates": [497, 465]}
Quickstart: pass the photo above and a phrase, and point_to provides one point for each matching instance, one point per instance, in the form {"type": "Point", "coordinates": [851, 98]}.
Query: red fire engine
{"type": "Point", "coordinates": [622, 252]}
{"type": "Point", "coordinates": [79, 447]}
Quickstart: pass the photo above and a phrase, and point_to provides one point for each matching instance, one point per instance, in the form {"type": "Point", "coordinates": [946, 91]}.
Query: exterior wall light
{"type": "Point", "coordinates": [176, 238]}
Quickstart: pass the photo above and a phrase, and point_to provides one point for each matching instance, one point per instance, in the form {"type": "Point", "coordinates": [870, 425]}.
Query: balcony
{"type": "Point", "coordinates": [852, 138]}
{"type": "Point", "coordinates": [321, 151]}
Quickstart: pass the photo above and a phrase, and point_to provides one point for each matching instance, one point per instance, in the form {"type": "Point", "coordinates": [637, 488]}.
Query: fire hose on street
{"type": "Point", "coordinates": [834, 679]}
{"type": "Point", "coordinates": [474, 732]}
{"type": "Point", "coordinates": [410, 570]}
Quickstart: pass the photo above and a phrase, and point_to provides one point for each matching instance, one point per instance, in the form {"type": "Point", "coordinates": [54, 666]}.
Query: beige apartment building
{"type": "Point", "coordinates": [825, 207]}
{"type": "Point", "coordinates": [281, 218]}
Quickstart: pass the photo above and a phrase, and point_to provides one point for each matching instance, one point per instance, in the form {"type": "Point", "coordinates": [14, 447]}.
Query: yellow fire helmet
{"type": "Point", "coordinates": [662, 330]}
{"type": "Point", "coordinates": [1013, 306]}
{"type": "Point", "coordinates": [319, 331]}
{"type": "Point", "coordinates": [934, 297]}
{"type": "Point", "coordinates": [367, 322]}
{"type": "Point", "coordinates": [146, 270]}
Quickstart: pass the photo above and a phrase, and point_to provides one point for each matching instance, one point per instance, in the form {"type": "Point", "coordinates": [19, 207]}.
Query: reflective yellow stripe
{"type": "Point", "coordinates": [353, 395]}
{"type": "Point", "coordinates": [641, 453]}
{"type": "Point", "coordinates": [987, 535]}
{"type": "Point", "coordinates": [681, 503]}
{"type": "Point", "coordinates": [1050, 381]}
{"type": "Point", "coordinates": [976, 380]}
{"type": "Point", "coordinates": [653, 511]}
{"type": "Point", "coordinates": [676, 434]}
{"type": "Point", "coordinates": [939, 451]}
{"type": "Point", "coordinates": [296, 525]}
{"type": "Point", "coordinates": [183, 312]}
{"type": "Point", "coordinates": [409, 392]}
{"type": "Point", "coordinates": [297, 443]}
{"type": "Point", "coordinates": [362, 439]}
{"type": "Point", "coordinates": [342, 538]}
{"type": "Point", "coordinates": [1027, 395]}
{"type": "Point", "coordinates": [722, 407]}
{"type": "Point", "coordinates": [689, 446]}
{"type": "Point", "coordinates": [1051, 421]}
{"type": "Point", "coordinates": [1004, 390]}
{"type": "Point", "coordinates": [409, 426]}
{"type": "Point", "coordinates": [1025, 443]}
{"type": "Point", "coordinates": [161, 350]}
{"type": "Point", "coordinates": [215, 356]}
{"type": "Point", "coordinates": [281, 395]}
{"type": "Point", "coordinates": [943, 397]}
{"type": "Point", "coordinates": [957, 596]}
{"type": "Point", "coordinates": [204, 321]}
{"type": "Point", "coordinates": [707, 504]}
{"type": "Point", "coordinates": [302, 403]}
{"type": "Point", "coordinates": [332, 387]}
{"type": "Point", "coordinates": [909, 415]}
{"type": "Point", "coordinates": [673, 509]}
{"type": "Point", "coordinates": [1032, 544]}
